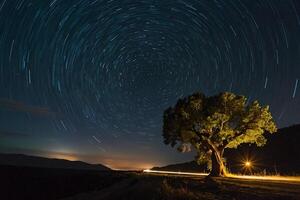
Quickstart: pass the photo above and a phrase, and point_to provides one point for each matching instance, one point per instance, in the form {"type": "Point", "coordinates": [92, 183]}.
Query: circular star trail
{"type": "Point", "coordinates": [102, 72]}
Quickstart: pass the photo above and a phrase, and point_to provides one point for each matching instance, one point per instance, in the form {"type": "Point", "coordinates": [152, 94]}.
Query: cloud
{"type": "Point", "coordinates": [18, 106]}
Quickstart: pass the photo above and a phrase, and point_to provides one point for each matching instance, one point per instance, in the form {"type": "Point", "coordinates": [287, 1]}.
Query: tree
{"type": "Point", "coordinates": [212, 124]}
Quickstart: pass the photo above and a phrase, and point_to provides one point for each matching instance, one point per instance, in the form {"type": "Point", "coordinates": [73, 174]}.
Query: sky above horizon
{"type": "Point", "coordinates": [89, 79]}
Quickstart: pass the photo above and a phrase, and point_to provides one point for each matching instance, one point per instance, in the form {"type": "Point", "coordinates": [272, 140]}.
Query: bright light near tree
{"type": "Point", "coordinates": [248, 164]}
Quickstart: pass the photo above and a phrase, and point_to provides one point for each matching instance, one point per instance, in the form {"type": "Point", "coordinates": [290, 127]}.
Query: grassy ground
{"type": "Point", "coordinates": [49, 184]}
{"type": "Point", "coordinates": [151, 187]}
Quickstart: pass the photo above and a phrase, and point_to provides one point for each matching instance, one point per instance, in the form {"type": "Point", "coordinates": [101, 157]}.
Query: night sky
{"type": "Point", "coordinates": [89, 79]}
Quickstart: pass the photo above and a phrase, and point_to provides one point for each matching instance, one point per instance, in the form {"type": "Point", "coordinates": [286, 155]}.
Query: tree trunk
{"type": "Point", "coordinates": [217, 164]}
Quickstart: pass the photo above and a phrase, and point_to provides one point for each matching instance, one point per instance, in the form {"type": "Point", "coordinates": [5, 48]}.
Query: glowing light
{"type": "Point", "coordinates": [267, 178]}
{"type": "Point", "coordinates": [172, 172]}
{"type": "Point", "coordinates": [248, 164]}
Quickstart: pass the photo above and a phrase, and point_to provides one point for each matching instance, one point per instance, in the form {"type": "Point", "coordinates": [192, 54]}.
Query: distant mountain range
{"type": "Point", "coordinates": [35, 161]}
{"type": "Point", "coordinates": [281, 155]}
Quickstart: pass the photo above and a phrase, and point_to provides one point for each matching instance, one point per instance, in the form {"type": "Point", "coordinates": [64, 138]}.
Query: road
{"type": "Point", "coordinates": [280, 179]}
{"type": "Point", "coordinates": [170, 185]}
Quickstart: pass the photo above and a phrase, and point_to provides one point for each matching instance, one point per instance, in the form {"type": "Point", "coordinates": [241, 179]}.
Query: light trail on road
{"type": "Point", "coordinates": [172, 172]}
{"type": "Point", "coordinates": [252, 177]}
{"type": "Point", "coordinates": [268, 178]}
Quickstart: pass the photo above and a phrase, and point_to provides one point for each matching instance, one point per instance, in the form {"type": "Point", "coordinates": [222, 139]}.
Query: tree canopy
{"type": "Point", "coordinates": [212, 124]}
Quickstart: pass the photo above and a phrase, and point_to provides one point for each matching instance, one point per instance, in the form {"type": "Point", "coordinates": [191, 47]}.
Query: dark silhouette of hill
{"type": "Point", "coordinates": [41, 162]}
{"type": "Point", "coordinates": [184, 167]}
{"type": "Point", "coordinates": [280, 155]}
{"type": "Point", "coordinates": [36, 183]}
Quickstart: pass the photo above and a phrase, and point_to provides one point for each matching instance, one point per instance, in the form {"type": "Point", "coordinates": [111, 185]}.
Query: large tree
{"type": "Point", "coordinates": [212, 124]}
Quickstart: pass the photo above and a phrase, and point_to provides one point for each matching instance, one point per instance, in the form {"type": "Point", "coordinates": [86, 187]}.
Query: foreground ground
{"type": "Point", "coordinates": [48, 184]}
{"type": "Point", "coordinates": [158, 186]}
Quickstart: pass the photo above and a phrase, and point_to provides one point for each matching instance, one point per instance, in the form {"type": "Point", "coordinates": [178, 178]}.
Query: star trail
{"type": "Point", "coordinates": [90, 79]}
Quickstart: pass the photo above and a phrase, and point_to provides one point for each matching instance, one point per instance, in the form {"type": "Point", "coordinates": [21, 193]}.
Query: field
{"type": "Point", "coordinates": [46, 184]}
{"type": "Point", "coordinates": [173, 187]}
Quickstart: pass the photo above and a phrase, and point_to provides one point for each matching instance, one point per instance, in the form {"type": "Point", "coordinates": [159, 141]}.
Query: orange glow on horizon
{"type": "Point", "coordinates": [115, 162]}
{"type": "Point", "coordinates": [126, 165]}
{"type": "Point", "coordinates": [65, 156]}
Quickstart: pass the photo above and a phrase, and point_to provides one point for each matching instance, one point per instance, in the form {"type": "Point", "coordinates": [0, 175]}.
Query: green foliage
{"type": "Point", "coordinates": [215, 123]}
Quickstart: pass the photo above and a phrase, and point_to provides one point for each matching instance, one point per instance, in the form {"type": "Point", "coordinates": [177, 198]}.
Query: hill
{"type": "Point", "coordinates": [35, 161]}
{"type": "Point", "coordinates": [191, 166]}
{"type": "Point", "coordinates": [279, 155]}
